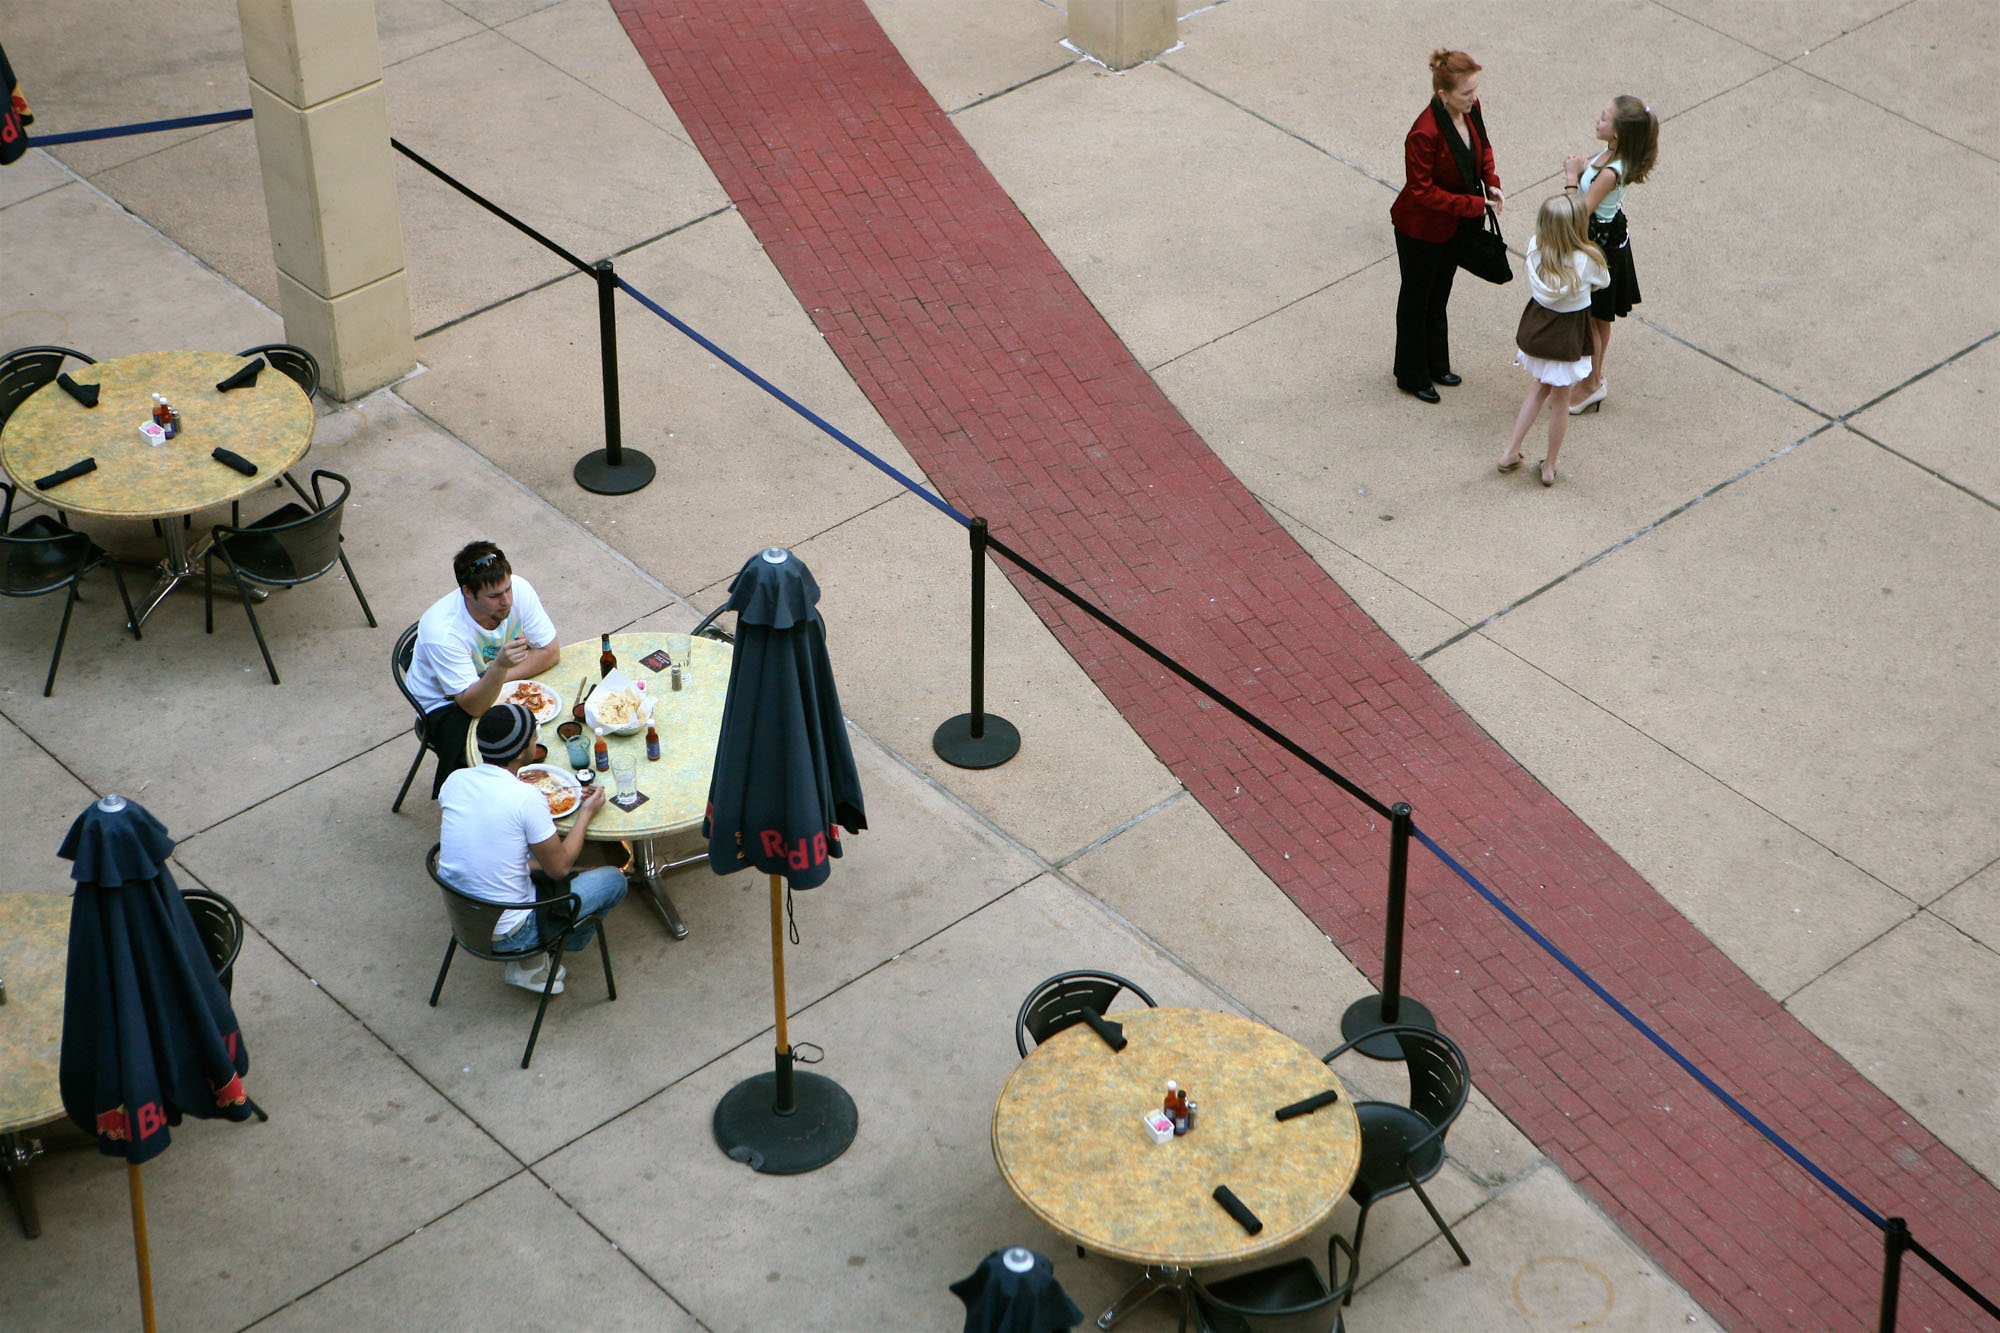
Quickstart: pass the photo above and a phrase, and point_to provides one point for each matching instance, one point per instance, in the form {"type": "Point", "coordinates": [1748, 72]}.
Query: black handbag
{"type": "Point", "coordinates": [1480, 249]}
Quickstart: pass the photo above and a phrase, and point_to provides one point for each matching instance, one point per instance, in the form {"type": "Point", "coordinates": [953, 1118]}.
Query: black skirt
{"type": "Point", "coordinates": [1616, 300]}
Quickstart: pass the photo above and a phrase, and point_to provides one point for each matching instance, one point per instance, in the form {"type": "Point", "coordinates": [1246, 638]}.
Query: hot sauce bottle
{"type": "Point", "coordinates": [652, 742]}
{"type": "Point", "coordinates": [603, 753]}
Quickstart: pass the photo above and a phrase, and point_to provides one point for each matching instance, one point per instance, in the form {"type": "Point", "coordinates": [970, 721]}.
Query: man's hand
{"type": "Point", "coordinates": [593, 801]}
{"type": "Point", "coordinates": [512, 654]}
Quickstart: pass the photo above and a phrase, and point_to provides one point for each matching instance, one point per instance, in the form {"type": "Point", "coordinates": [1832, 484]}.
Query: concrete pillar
{"type": "Point", "coordinates": [330, 187]}
{"type": "Point", "coordinates": [1122, 33]}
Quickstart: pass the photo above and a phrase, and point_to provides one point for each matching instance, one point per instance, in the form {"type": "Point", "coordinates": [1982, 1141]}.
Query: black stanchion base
{"type": "Point", "coordinates": [749, 1128]}
{"type": "Point", "coordinates": [956, 745]}
{"type": "Point", "coordinates": [1365, 1016]}
{"type": "Point", "coordinates": [595, 474]}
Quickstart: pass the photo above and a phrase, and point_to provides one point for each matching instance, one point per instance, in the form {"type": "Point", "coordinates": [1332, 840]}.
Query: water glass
{"type": "Point", "coordinates": [625, 770]}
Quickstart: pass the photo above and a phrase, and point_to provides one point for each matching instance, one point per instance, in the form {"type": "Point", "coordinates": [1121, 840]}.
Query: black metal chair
{"type": "Point", "coordinates": [1278, 1292]}
{"type": "Point", "coordinates": [472, 921]}
{"type": "Point", "coordinates": [1403, 1146]}
{"type": "Point", "coordinates": [220, 926]}
{"type": "Point", "coordinates": [1061, 1000]}
{"type": "Point", "coordinates": [26, 369]}
{"type": "Point", "coordinates": [42, 557]}
{"type": "Point", "coordinates": [288, 546]}
{"type": "Point", "coordinates": [399, 668]}
{"type": "Point", "coordinates": [302, 368]}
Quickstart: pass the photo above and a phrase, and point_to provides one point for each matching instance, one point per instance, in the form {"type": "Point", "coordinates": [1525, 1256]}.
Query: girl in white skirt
{"type": "Point", "coordinates": [1554, 334]}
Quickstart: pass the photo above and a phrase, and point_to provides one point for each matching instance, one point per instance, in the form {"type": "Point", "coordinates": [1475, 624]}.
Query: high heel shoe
{"type": "Point", "coordinates": [1548, 475]}
{"type": "Point", "coordinates": [1590, 404]}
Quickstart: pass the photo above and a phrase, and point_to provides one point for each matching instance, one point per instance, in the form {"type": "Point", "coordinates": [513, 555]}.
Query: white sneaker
{"type": "Point", "coordinates": [534, 978]}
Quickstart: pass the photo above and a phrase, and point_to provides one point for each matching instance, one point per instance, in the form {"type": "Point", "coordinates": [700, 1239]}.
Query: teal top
{"type": "Point", "coordinates": [1614, 199]}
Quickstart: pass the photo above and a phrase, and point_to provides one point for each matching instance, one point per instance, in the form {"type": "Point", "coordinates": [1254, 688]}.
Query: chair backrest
{"type": "Point", "coordinates": [400, 658]}
{"type": "Point", "coordinates": [1439, 1080]}
{"type": "Point", "coordinates": [296, 362]}
{"type": "Point", "coordinates": [472, 919]}
{"type": "Point", "coordinates": [33, 565]}
{"type": "Point", "coordinates": [300, 550]}
{"type": "Point", "coordinates": [220, 926]}
{"type": "Point", "coordinates": [1060, 1001]}
{"type": "Point", "coordinates": [26, 369]}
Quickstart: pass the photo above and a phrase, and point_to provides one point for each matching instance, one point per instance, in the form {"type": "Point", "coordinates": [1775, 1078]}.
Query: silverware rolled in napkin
{"type": "Point", "coordinates": [1113, 1033]}
{"type": "Point", "coordinates": [1236, 1209]}
{"type": "Point", "coordinates": [1309, 1105]}
{"type": "Point", "coordinates": [83, 393]}
{"type": "Point", "coordinates": [70, 473]}
{"type": "Point", "coordinates": [237, 461]}
{"type": "Point", "coordinates": [242, 379]}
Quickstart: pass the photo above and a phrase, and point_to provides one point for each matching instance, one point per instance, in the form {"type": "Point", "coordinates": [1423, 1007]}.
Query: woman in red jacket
{"type": "Point", "coordinates": [1448, 182]}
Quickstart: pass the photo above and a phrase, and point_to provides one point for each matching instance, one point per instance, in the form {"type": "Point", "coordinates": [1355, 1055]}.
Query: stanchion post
{"type": "Point", "coordinates": [1895, 1240]}
{"type": "Point", "coordinates": [1391, 1007]}
{"type": "Point", "coordinates": [977, 739]}
{"type": "Point", "coordinates": [610, 470]}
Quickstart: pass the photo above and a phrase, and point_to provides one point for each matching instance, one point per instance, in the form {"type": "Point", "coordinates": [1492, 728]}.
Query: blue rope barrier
{"type": "Point", "coordinates": [143, 127]}
{"type": "Point", "coordinates": [943, 506]}
{"type": "Point", "coordinates": [1618, 1007]}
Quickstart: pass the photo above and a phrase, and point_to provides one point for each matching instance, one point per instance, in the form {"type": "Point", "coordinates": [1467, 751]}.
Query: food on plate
{"type": "Point", "coordinates": [618, 710]}
{"type": "Point", "coordinates": [562, 796]}
{"type": "Point", "coordinates": [536, 698]}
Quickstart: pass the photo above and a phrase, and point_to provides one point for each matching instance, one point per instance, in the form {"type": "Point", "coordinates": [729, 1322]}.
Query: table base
{"type": "Point", "coordinates": [651, 869]}
{"type": "Point", "coordinates": [16, 1152]}
{"type": "Point", "coordinates": [177, 568]}
{"type": "Point", "coordinates": [1153, 1280]}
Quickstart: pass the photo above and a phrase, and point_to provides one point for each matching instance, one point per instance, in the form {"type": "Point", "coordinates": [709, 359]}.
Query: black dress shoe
{"type": "Point", "coordinates": [1449, 380]}
{"type": "Point", "coordinates": [1424, 395]}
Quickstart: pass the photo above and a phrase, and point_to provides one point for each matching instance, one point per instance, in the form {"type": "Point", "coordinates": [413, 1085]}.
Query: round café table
{"type": "Point", "coordinates": [1069, 1139]}
{"type": "Point", "coordinates": [676, 785]}
{"type": "Point", "coordinates": [269, 423]}
{"type": "Point", "coordinates": [34, 959]}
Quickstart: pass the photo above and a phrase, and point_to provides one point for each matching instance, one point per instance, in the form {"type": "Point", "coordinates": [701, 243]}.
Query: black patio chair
{"type": "Point", "coordinates": [399, 668]}
{"type": "Point", "coordinates": [302, 368]}
{"type": "Point", "coordinates": [26, 369]}
{"type": "Point", "coordinates": [1279, 1292]}
{"type": "Point", "coordinates": [1061, 1000]}
{"type": "Point", "coordinates": [1403, 1146]}
{"type": "Point", "coordinates": [220, 926]}
{"type": "Point", "coordinates": [41, 557]}
{"type": "Point", "coordinates": [287, 546]}
{"type": "Point", "coordinates": [472, 921]}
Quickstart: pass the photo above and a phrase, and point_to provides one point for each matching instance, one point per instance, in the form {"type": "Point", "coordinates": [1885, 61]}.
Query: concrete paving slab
{"type": "Point", "coordinates": [222, 221]}
{"type": "Point", "coordinates": [896, 593]}
{"type": "Point", "coordinates": [43, 799]}
{"type": "Point", "coordinates": [1413, 622]}
{"type": "Point", "coordinates": [1782, 906]}
{"type": "Point", "coordinates": [1725, 661]}
{"type": "Point", "coordinates": [408, 28]}
{"type": "Point", "coordinates": [1729, 309]}
{"type": "Point", "coordinates": [968, 51]}
{"type": "Point", "coordinates": [736, 470]}
{"type": "Point", "coordinates": [921, 865]}
{"type": "Point", "coordinates": [1910, 64]}
{"type": "Point", "coordinates": [1914, 1011]}
{"type": "Point", "coordinates": [515, 1256]}
{"type": "Point", "coordinates": [1411, 490]}
{"type": "Point", "coordinates": [1974, 907]}
{"type": "Point", "coordinates": [1351, 79]}
{"type": "Point", "coordinates": [1787, 31]}
{"type": "Point", "coordinates": [481, 109]}
{"type": "Point", "coordinates": [497, 12]}
{"type": "Point", "coordinates": [1148, 213]}
{"type": "Point", "coordinates": [583, 39]}
{"type": "Point", "coordinates": [27, 176]}
{"type": "Point", "coordinates": [1942, 422]}
{"type": "Point", "coordinates": [246, 1218]}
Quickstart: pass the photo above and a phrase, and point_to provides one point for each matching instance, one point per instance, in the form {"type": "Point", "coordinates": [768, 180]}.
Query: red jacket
{"type": "Point", "coordinates": [1432, 202]}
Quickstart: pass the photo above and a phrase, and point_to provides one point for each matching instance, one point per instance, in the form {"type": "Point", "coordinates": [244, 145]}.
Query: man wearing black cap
{"type": "Point", "coordinates": [494, 823]}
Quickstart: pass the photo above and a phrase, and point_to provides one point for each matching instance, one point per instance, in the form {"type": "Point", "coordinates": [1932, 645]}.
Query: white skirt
{"type": "Point", "coordinates": [1554, 372]}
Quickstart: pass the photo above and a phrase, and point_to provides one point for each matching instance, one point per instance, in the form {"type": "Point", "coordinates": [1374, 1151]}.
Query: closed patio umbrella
{"type": "Point", "coordinates": [148, 1033]}
{"type": "Point", "coordinates": [784, 785]}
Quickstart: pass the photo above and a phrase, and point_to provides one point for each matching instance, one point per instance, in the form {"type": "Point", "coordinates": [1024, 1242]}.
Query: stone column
{"type": "Point", "coordinates": [1122, 33]}
{"type": "Point", "coordinates": [330, 187]}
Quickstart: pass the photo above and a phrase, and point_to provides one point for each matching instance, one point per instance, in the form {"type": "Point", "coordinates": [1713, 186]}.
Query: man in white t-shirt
{"type": "Point", "coordinates": [472, 642]}
{"type": "Point", "coordinates": [499, 844]}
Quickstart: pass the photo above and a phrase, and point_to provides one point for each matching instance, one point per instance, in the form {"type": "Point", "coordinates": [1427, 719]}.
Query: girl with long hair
{"type": "Point", "coordinates": [1631, 134]}
{"type": "Point", "coordinates": [1564, 269]}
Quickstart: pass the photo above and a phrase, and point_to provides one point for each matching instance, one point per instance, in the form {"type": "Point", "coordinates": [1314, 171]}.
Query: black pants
{"type": "Point", "coordinates": [446, 728]}
{"type": "Point", "coordinates": [1423, 339]}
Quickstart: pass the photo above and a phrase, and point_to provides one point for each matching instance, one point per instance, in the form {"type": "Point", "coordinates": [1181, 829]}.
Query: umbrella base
{"type": "Point", "coordinates": [819, 1128]}
{"type": "Point", "coordinates": [595, 473]}
{"type": "Point", "coordinates": [1365, 1015]}
{"type": "Point", "coordinates": [954, 742]}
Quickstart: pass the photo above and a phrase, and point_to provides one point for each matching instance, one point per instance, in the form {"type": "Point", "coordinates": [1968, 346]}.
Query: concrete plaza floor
{"type": "Point", "coordinates": [1749, 638]}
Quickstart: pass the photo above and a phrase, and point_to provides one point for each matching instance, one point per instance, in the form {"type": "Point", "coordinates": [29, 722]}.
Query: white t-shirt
{"type": "Point", "coordinates": [1589, 274]}
{"type": "Point", "coordinates": [452, 652]}
{"type": "Point", "coordinates": [491, 818]}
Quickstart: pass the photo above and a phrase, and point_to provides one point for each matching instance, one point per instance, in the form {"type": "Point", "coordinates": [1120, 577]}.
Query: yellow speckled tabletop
{"type": "Point", "coordinates": [269, 423]}
{"type": "Point", "coordinates": [34, 958]}
{"type": "Point", "coordinates": [689, 721]}
{"type": "Point", "coordinates": [1069, 1138]}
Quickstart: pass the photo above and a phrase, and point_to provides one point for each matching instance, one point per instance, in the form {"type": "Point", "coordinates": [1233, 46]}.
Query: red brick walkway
{"type": "Point", "coordinates": [1002, 380]}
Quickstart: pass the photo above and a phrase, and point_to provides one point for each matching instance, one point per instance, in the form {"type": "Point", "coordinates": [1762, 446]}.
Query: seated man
{"type": "Point", "coordinates": [494, 823]}
{"type": "Point", "coordinates": [472, 642]}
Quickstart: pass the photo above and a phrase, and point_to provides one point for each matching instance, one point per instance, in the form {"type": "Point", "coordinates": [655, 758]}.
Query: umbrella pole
{"type": "Point", "coordinates": [783, 1104]}
{"type": "Point", "coordinates": [139, 1245]}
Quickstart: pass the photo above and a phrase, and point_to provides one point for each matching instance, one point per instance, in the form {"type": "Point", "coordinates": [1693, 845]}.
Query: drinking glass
{"type": "Point", "coordinates": [625, 770]}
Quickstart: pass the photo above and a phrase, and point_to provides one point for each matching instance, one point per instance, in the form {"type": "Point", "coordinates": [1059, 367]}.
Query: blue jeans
{"type": "Point", "coordinates": [601, 889]}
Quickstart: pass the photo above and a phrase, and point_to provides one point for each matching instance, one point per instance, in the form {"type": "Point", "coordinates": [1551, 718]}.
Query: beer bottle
{"type": "Point", "coordinates": [607, 661]}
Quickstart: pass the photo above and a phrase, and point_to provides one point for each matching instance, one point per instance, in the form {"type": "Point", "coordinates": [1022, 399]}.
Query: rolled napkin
{"type": "Point", "coordinates": [70, 473]}
{"type": "Point", "coordinates": [237, 461]}
{"type": "Point", "coordinates": [1309, 1105]}
{"type": "Point", "coordinates": [1113, 1033]}
{"type": "Point", "coordinates": [83, 393]}
{"type": "Point", "coordinates": [1234, 1207]}
{"type": "Point", "coordinates": [243, 378]}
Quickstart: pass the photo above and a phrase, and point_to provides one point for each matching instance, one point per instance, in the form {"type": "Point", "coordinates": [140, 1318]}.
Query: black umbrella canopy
{"type": "Point", "coordinates": [784, 782]}
{"type": "Point", "coordinates": [1015, 1291]}
{"type": "Point", "coordinates": [148, 1032]}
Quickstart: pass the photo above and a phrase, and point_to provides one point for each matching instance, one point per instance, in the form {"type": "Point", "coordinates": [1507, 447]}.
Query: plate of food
{"type": "Point", "coordinates": [536, 697]}
{"type": "Point", "coordinates": [561, 789]}
{"type": "Point", "coordinates": [619, 705]}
